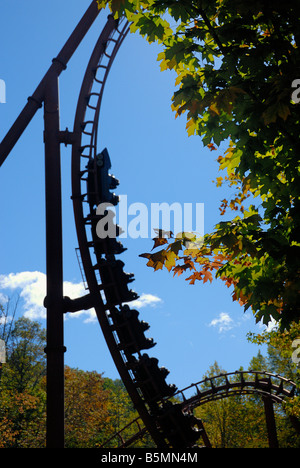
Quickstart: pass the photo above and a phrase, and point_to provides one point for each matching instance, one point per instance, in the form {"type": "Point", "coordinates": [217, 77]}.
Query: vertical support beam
{"type": "Point", "coordinates": [205, 438]}
{"type": "Point", "coordinates": [47, 93]}
{"type": "Point", "coordinates": [271, 424]}
{"type": "Point", "coordinates": [54, 258]}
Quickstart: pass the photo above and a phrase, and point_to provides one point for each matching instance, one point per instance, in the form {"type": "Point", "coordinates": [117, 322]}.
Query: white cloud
{"type": "Point", "coordinates": [224, 322]}
{"type": "Point", "coordinates": [32, 287]}
{"type": "Point", "coordinates": [271, 325]}
{"type": "Point", "coordinates": [145, 300]}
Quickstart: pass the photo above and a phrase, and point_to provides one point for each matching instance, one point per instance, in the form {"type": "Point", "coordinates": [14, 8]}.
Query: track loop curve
{"type": "Point", "coordinates": [107, 283]}
{"type": "Point", "coordinates": [265, 384]}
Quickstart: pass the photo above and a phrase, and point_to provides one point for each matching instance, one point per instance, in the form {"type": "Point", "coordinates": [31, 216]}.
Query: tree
{"type": "Point", "coordinates": [87, 419]}
{"type": "Point", "coordinates": [8, 312]}
{"type": "Point", "coordinates": [236, 64]}
{"type": "Point", "coordinates": [233, 422]}
{"type": "Point", "coordinates": [280, 361]}
{"type": "Point", "coordinates": [95, 408]}
{"type": "Point", "coordinates": [239, 421]}
{"type": "Point", "coordinates": [25, 355]}
{"type": "Point", "coordinates": [121, 410]}
{"type": "Point", "coordinates": [280, 350]}
{"type": "Point", "coordinates": [122, 413]}
{"type": "Point", "coordinates": [22, 397]}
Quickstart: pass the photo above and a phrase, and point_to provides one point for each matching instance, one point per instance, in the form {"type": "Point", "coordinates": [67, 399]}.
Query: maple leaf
{"type": "Point", "coordinates": [159, 241]}
{"type": "Point", "coordinates": [219, 181]}
{"type": "Point", "coordinates": [240, 297]}
{"type": "Point", "coordinates": [212, 147]}
{"type": "Point", "coordinates": [228, 281]}
{"type": "Point", "coordinates": [191, 127]}
{"type": "Point", "coordinates": [203, 275]}
{"type": "Point", "coordinates": [179, 269]}
{"type": "Point", "coordinates": [279, 109]}
{"type": "Point", "coordinates": [194, 277]}
{"type": "Point", "coordinates": [156, 260]}
{"type": "Point", "coordinates": [189, 263]}
{"type": "Point", "coordinates": [145, 255]}
{"type": "Point", "coordinates": [101, 4]}
{"type": "Point", "coordinates": [170, 260]}
{"type": "Point", "coordinates": [176, 246]}
{"type": "Point", "coordinates": [207, 276]}
{"type": "Point", "coordinates": [117, 6]}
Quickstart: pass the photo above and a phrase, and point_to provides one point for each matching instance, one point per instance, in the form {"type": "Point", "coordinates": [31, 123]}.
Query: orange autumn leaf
{"type": "Point", "coordinates": [207, 276]}
{"type": "Point", "coordinates": [212, 147]}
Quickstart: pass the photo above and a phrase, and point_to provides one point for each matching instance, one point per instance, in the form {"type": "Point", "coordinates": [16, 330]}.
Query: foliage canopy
{"type": "Point", "coordinates": [96, 407]}
{"type": "Point", "coordinates": [236, 64]}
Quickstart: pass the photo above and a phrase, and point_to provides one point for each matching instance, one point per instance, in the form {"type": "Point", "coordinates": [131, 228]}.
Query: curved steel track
{"type": "Point", "coordinates": [169, 424]}
{"type": "Point", "coordinates": [122, 330]}
{"type": "Point", "coordinates": [275, 387]}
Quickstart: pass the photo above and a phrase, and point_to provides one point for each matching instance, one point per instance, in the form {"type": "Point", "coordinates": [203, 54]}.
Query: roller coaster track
{"type": "Point", "coordinates": [143, 379]}
{"type": "Point", "coordinates": [271, 386]}
{"type": "Point", "coordinates": [164, 413]}
{"type": "Point", "coordinates": [147, 389]}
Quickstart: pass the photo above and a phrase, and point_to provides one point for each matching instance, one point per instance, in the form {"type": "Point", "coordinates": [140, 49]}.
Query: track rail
{"type": "Point", "coordinates": [83, 150]}
{"type": "Point", "coordinates": [137, 431]}
{"type": "Point", "coordinates": [221, 386]}
{"type": "Point", "coordinates": [265, 384]}
{"type": "Point", "coordinates": [169, 422]}
{"type": "Point", "coordinates": [104, 275]}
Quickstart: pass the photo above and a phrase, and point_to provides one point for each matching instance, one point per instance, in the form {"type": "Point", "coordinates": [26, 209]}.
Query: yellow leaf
{"type": "Point", "coordinates": [170, 261]}
{"type": "Point", "coordinates": [191, 127]}
{"type": "Point", "coordinates": [101, 4]}
{"type": "Point", "coordinates": [172, 63]}
{"type": "Point", "coordinates": [159, 241]}
{"type": "Point", "coordinates": [213, 108]}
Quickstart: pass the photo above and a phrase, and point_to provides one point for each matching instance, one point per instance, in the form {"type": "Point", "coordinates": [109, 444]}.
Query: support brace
{"type": "Point", "coordinates": [81, 303]}
{"type": "Point", "coordinates": [66, 137]}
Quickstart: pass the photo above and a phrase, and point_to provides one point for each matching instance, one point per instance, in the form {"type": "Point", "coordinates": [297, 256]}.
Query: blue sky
{"type": "Point", "coordinates": [155, 161]}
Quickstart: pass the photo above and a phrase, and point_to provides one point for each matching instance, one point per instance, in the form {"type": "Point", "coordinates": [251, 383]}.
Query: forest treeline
{"type": "Point", "coordinates": [96, 407]}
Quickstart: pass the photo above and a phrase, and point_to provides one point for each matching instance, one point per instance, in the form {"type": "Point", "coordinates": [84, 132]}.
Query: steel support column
{"type": "Point", "coordinates": [54, 258]}
{"type": "Point", "coordinates": [47, 93]}
{"type": "Point", "coordinates": [271, 424]}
